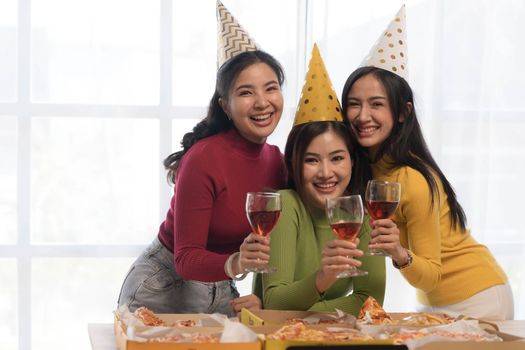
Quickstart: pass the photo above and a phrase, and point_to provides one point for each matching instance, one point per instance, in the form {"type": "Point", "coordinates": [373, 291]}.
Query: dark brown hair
{"type": "Point", "coordinates": [406, 145]}
{"type": "Point", "coordinates": [300, 138]}
{"type": "Point", "coordinates": [216, 119]}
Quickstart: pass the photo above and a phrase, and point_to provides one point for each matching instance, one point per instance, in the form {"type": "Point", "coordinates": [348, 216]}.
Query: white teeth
{"type": "Point", "coordinates": [369, 129]}
{"type": "Point", "coordinates": [326, 185]}
{"type": "Point", "coordinates": [261, 117]}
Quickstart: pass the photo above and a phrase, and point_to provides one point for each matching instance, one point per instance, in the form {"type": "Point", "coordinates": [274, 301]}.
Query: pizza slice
{"type": "Point", "coordinates": [295, 321]}
{"type": "Point", "coordinates": [404, 336]}
{"type": "Point", "coordinates": [148, 318]}
{"type": "Point", "coordinates": [427, 319]}
{"type": "Point", "coordinates": [185, 323]}
{"type": "Point", "coordinates": [373, 313]}
{"type": "Point", "coordinates": [299, 332]}
{"type": "Point", "coordinates": [187, 338]}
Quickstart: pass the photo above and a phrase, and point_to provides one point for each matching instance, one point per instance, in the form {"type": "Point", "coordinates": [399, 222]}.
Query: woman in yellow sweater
{"type": "Point", "coordinates": [432, 247]}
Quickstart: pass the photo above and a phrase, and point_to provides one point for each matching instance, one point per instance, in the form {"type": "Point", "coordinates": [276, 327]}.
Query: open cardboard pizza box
{"type": "Point", "coordinates": [280, 317]}
{"type": "Point", "coordinates": [286, 344]}
{"type": "Point", "coordinates": [398, 317]}
{"type": "Point", "coordinates": [199, 320]}
{"type": "Point", "coordinates": [124, 343]}
{"type": "Point", "coordinates": [271, 344]}
{"type": "Point", "coordinates": [510, 342]}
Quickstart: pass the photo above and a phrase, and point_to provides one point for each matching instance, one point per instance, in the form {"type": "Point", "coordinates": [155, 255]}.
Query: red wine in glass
{"type": "Point", "coordinates": [263, 221]}
{"type": "Point", "coordinates": [382, 199]}
{"type": "Point", "coordinates": [345, 215]}
{"type": "Point", "coordinates": [346, 230]}
{"type": "Point", "coordinates": [381, 209]}
{"type": "Point", "coordinates": [263, 210]}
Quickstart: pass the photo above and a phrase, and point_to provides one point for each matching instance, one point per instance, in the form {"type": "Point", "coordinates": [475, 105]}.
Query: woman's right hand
{"type": "Point", "coordinates": [385, 236]}
{"type": "Point", "coordinates": [254, 252]}
{"type": "Point", "coordinates": [337, 256]}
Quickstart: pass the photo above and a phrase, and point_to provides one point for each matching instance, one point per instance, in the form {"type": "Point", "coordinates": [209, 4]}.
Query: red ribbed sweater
{"type": "Point", "coordinates": [206, 221]}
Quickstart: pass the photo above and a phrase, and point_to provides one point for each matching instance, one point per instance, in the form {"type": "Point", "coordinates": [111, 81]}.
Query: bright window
{"type": "Point", "coordinates": [91, 177]}
{"type": "Point", "coordinates": [95, 52]}
{"type": "Point", "coordinates": [94, 94]}
{"type": "Point", "coordinates": [8, 181]}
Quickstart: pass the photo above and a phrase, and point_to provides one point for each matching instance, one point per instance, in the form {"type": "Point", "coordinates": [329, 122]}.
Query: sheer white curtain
{"type": "Point", "coordinates": [94, 94]}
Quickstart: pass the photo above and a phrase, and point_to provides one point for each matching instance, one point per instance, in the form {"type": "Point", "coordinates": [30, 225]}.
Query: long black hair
{"type": "Point", "coordinates": [406, 145]}
{"type": "Point", "coordinates": [216, 119]}
{"type": "Point", "coordinates": [300, 138]}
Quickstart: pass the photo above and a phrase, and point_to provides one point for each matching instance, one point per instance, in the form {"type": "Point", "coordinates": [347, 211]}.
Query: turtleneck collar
{"type": "Point", "coordinates": [242, 145]}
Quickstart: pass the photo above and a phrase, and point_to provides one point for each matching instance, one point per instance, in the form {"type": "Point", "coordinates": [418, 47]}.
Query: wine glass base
{"type": "Point", "coordinates": [267, 269]}
{"type": "Point", "coordinates": [352, 273]}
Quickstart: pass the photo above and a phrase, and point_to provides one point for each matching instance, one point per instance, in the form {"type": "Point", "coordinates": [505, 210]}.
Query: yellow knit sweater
{"type": "Point", "coordinates": [448, 265]}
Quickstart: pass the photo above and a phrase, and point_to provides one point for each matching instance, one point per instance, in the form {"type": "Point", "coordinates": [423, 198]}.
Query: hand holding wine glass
{"type": "Point", "coordinates": [263, 210]}
{"type": "Point", "coordinates": [345, 215]}
{"type": "Point", "coordinates": [382, 199]}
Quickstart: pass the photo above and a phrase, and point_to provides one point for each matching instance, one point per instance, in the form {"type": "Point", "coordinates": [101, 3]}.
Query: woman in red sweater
{"type": "Point", "coordinates": [205, 240]}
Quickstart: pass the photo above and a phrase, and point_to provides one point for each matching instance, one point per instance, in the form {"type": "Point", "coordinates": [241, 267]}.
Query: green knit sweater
{"type": "Point", "coordinates": [296, 245]}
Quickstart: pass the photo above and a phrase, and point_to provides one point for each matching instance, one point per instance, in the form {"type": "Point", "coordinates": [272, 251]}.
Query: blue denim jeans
{"type": "Point", "coordinates": [153, 282]}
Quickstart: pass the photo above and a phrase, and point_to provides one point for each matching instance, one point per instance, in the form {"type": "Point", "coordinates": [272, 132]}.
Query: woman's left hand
{"type": "Point", "coordinates": [385, 236]}
{"type": "Point", "coordinates": [250, 302]}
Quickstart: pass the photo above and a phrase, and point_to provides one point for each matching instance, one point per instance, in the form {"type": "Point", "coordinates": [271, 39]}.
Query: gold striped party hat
{"type": "Point", "coordinates": [318, 101]}
{"type": "Point", "coordinates": [232, 38]}
{"type": "Point", "coordinates": [390, 50]}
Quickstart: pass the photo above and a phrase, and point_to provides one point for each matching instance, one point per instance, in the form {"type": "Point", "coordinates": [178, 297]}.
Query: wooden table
{"type": "Point", "coordinates": [102, 337]}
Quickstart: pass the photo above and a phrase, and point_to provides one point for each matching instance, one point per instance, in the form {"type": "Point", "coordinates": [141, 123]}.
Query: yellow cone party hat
{"type": "Point", "coordinates": [318, 100]}
{"type": "Point", "coordinates": [390, 50]}
{"type": "Point", "coordinates": [232, 38]}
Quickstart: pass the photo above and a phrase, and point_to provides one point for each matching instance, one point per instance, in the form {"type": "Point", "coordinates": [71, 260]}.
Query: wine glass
{"type": "Point", "coordinates": [382, 199]}
{"type": "Point", "coordinates": [263, 210]}
{"type": "Point", "coordinates": [345, 215]}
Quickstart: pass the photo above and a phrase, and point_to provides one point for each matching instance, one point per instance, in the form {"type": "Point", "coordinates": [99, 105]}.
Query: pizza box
{"type": "Point", "coordinates": [279, 317]}
{"type": "Point", "coordinates": [201, 320]}
{"type": "Point", "coordinates": [272, 344]}
{"type": "Point", "coordinates": [510, 342]}
{"type": "Point", "coordinates": [123, 343]}
{"type": "Point", "coordinates": [396, 316]}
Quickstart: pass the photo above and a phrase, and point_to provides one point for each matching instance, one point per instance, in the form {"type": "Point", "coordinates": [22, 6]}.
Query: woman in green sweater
{"type": "Point", "coordinates": [304, 249]}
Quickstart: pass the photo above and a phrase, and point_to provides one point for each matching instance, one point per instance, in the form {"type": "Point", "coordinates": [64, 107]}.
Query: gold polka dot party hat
{"type": "Point", "coordinates": [318, 101]}
{"type": "Point", "coordinates": [232, 39]}
{"type": "Point", "coordinates": [390, 50]}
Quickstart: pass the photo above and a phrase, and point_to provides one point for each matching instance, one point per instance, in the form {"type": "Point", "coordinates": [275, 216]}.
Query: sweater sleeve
{"type": "Point", "coordinates": [196, 190]}
{"type": "Point", "coordinates": [372, 284]}
{"type": "Point", "coordinates": [280, 290]}
{"type": "Point", "coordinates": [423, 232]}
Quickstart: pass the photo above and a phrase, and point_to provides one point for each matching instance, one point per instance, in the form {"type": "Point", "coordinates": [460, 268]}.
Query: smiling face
{"type": "Point", "coordinates": [369, 113]}
{"type": "Point", "coordinates": [255, 102]}
{"type": "Point", "coordinates": [327, 169]}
